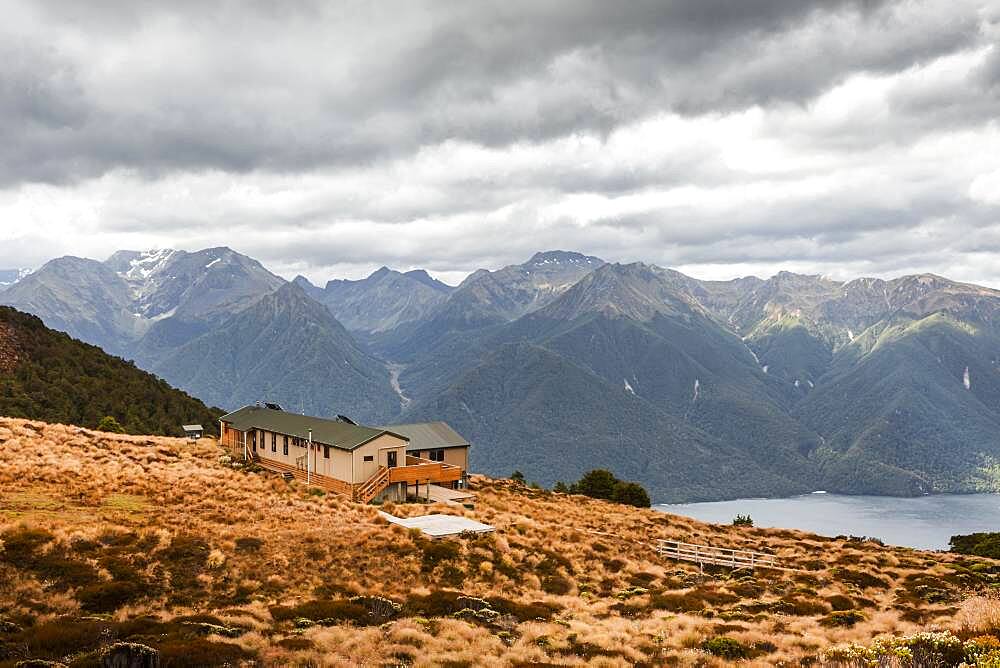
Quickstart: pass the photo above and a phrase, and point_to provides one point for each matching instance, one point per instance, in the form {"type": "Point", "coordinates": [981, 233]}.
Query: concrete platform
{"type": "Point", "coordinates": [445, 495]}
{"type": "Point", "coordinates": [439, 526]}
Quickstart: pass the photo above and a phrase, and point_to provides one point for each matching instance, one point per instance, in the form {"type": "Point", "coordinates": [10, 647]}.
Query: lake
{"type": "Point", "coordinates": [925, 522]}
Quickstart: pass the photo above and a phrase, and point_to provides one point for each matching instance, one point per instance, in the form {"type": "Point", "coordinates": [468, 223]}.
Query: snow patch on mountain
{"type": "Point", "coordinates": [628, 387]}
{"type": "Point", "coordinates": [143, 270]}
{"type": "Point", "coordinates": [967, 379]}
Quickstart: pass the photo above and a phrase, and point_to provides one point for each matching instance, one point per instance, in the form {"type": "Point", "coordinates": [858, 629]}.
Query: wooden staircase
{"type": "Point", "coordinates": [372, 487]}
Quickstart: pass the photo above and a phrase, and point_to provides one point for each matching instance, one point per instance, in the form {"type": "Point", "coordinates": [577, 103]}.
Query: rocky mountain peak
{"type": "Point", "coordinates": [560, 257]}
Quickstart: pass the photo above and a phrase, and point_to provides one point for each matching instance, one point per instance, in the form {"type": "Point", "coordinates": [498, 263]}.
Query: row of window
{"type": "Point", "coordinates": [433, 455]}
{"type": "Point", "coordinates": [297, 442]}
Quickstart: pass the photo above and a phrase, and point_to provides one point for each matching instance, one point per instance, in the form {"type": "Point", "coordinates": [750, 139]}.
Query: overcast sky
{"type": "Point", "coordinates": [719, 137]}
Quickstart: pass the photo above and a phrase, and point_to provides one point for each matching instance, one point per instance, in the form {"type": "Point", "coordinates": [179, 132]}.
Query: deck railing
{"type": "Point", "coordinates": [419, 470]}
{"type": "Point", "coordinates": [718, 556]}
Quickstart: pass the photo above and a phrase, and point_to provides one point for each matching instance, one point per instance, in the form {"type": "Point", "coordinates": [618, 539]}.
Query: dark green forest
{"type": "Point", "coordinates": [58, 379]}
{"type": "Point", "coordinates": [977, 544]}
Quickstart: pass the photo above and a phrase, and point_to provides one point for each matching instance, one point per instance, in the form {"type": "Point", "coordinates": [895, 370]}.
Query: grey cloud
{"type": "Point", "coordinates": [322, 85]}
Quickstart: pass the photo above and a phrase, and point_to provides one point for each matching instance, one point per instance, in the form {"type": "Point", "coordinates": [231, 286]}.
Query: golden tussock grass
{"type": "Point", "coordinates": [143, 535]}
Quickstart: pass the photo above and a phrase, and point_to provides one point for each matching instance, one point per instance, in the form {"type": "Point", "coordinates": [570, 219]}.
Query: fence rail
{"type": "Point", "coordinates": [706, 554]}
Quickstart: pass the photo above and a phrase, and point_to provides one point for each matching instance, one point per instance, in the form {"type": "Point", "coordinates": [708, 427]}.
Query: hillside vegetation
{"type": "Point", "coordinates": [166, 543]}
{"type": "Point", "coordinates": [47, 375]}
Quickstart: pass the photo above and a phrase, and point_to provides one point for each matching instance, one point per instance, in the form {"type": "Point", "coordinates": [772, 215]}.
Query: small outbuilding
{"type": "Point", "coordinates": [193, 431]}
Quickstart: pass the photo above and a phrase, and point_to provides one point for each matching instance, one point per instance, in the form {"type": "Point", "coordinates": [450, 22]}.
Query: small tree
{"type": "Point", "coordinates": [110, 424]}
{"type": "Point", "coordinates": [631, 494]}
{"type": "Point", "coordinates": [561, 487]}
{"type": "Point", "coordinates": [597, 484]}
{"type": "Point", "coordinates": [742, 521]}
{"type": "Point", "coordinates": [517, 477]}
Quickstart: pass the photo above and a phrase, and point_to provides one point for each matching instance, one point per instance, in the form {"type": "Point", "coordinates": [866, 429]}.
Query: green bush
{"type": "Point", "coordinates": [726, 648]}
{"type": "Point", "coordinates": [743, 521]}
{"type": "Point", "coordinates": [597, 484]}
{"type": "Point", "coordinates": [110, 424]}
{"type": "Point", "coordinates": [978, 544]}
{"type": "Point", "coordinates": [630, 494]}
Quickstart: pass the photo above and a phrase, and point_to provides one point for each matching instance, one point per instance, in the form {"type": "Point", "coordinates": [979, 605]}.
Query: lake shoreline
{"type": "Point", "coordinates": [923, 522]}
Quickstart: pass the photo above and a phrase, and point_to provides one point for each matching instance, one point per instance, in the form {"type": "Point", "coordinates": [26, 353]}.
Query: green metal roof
{"type": "Point", "coordinates": [429, 435]}
{"type": "Point", "coordinates": [334, 433]}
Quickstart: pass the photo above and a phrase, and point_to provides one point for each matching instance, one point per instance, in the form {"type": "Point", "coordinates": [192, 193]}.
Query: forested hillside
{"type": "Point", "coordinates": [46, 375]}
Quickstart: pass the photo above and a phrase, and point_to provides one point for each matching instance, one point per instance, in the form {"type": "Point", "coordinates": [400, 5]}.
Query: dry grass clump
{"type": "Point", "coordinates": [157, 540]}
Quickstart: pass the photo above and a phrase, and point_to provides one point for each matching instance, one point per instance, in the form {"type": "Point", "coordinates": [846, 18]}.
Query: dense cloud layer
{"type": "Point", "coordinates": [837, 137]}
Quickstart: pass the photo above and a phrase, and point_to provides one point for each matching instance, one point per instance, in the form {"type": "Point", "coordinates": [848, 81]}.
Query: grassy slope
{"type": "Point", "coordinates": [59, 379]}
{"type": "Point", "coordinates": [191, 541]}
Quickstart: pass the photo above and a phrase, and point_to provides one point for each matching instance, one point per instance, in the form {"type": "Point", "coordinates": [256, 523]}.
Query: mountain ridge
{"type": "Point", "coordinates": [789, 372]}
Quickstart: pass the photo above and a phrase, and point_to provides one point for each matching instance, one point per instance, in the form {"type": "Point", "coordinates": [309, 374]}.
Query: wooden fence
{"type": "Point", "coordinates": [718, 556]}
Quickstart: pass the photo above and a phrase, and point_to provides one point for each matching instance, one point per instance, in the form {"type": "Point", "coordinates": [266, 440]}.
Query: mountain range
{"type": "Point", "coordinates": [698, 389]}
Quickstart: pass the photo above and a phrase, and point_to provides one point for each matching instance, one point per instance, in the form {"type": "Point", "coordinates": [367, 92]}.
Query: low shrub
{"type": "Point", "coordinates": [920, 649]}
{"type": "Point", "coordinates": [860, 579]}
{"type": "Point", "coordinates": [296, 644]}
{"type": "Point", "coordinates": [438, 603]}
{"type": "Point", "coordinates": [249, 545]}
{"type": "Point", "coordinates": [680, 602]}
{"type": "Point", "coordinates": [109, 596]}
{"type": "Point", "coordinates": [437, 552]}
{"type": "Point", "coordinates": [22, 545]}
{"type": "Point", "coordinates": [200, 652]}
{"type": "Point", "coordinates": [726, 648]}
{"type": "Point", "coordinates": [838, 603]}
{"type": "Point", "coordinates": [524, 612]}
{"type": "Point", "coordinates": [59, 637]}
{"type": "Point", "coordinates": [842, 618]}
{"type": "Point", "coordinates": [799, 607]}
{"type": "Point", "coordinates": [324, 612]}
{"type": "Point", "coordinates": [742, 521]}
{"type": "Point", "coordinates": [556, 584]}
{"type": "Point", "coordinates": [379, 608]}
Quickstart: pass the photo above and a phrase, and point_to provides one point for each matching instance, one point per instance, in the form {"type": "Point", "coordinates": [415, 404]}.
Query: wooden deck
{"type": "Point", "coordinates": [433, 472]}
{"type": "Point", "coordinates": [314, 479]}
{"type": "Point", "coordinates": [717, 556]}
{"type": "Point", "coordinates": [419, 470]}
